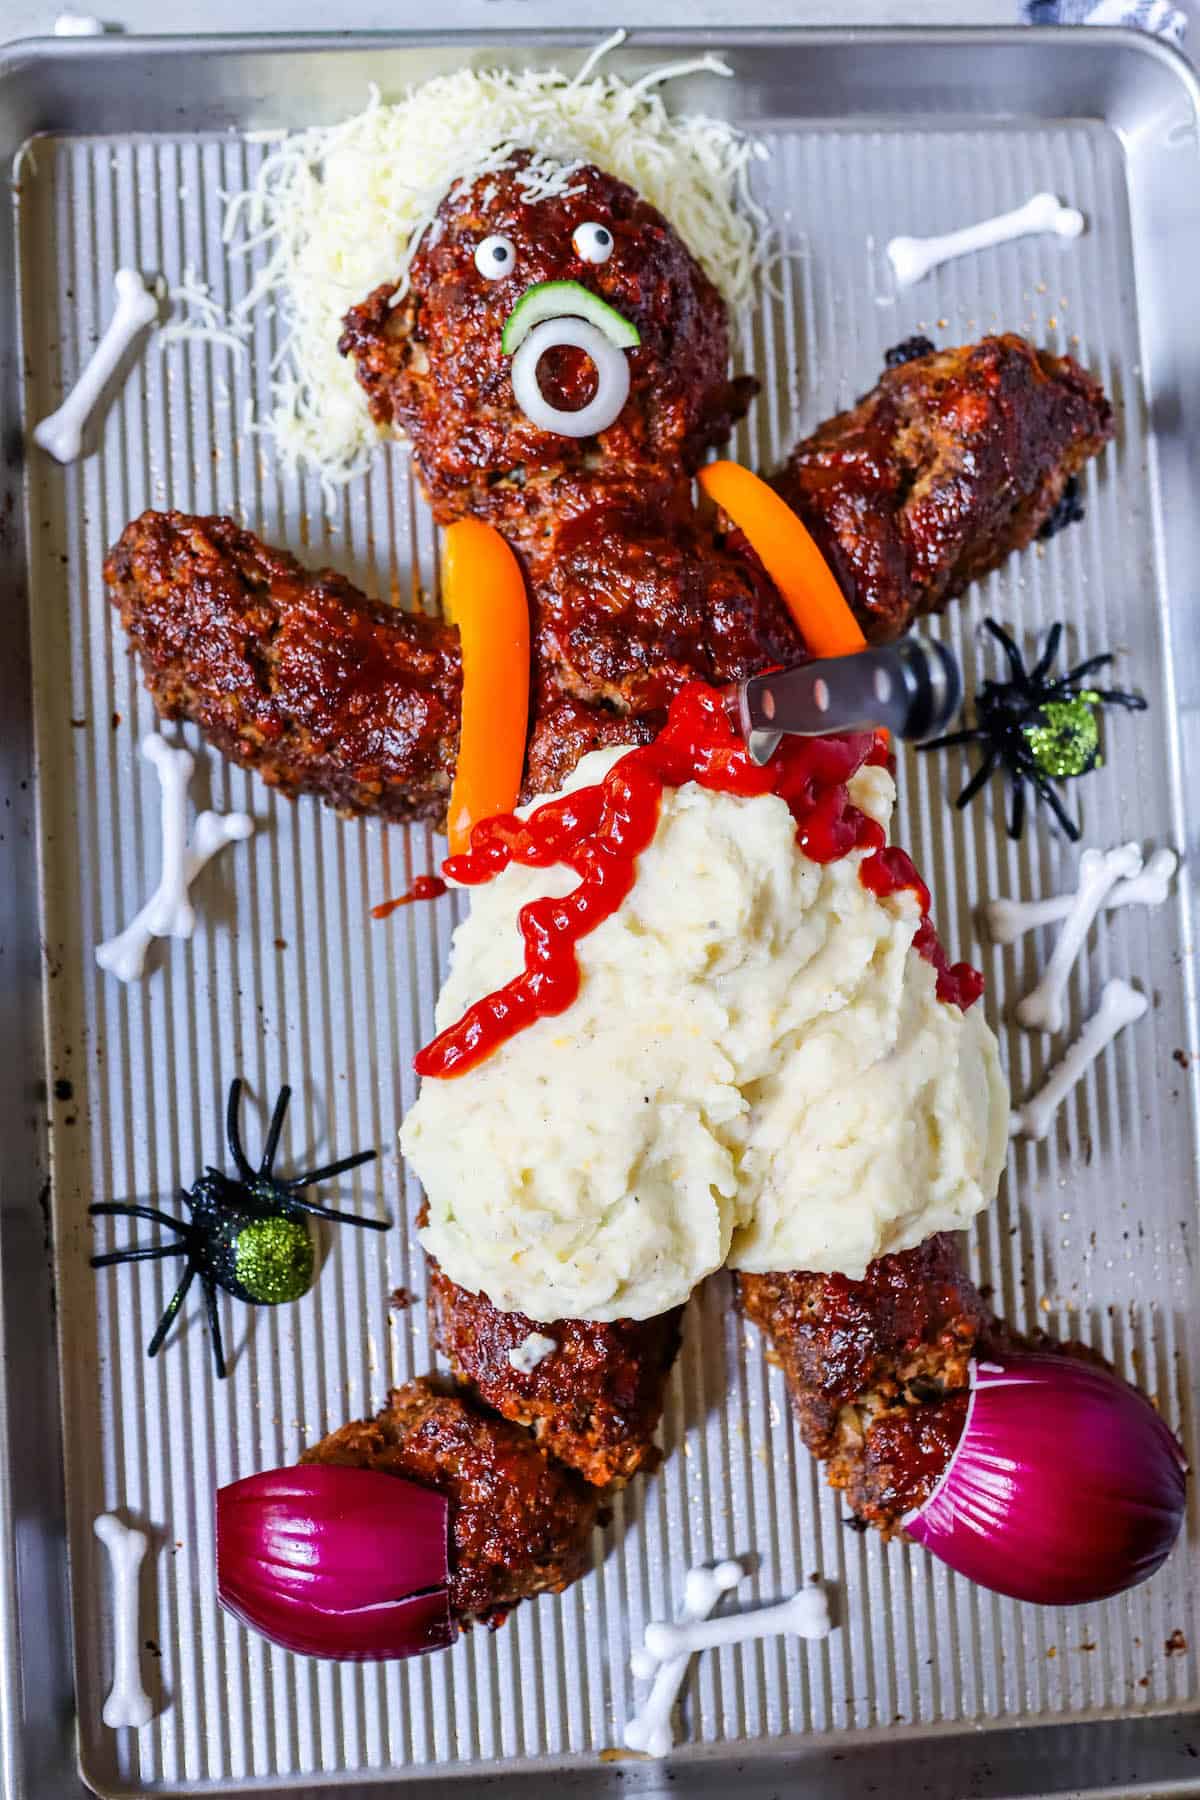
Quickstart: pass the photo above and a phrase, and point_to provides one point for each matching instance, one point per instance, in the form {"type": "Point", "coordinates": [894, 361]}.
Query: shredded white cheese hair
{"type": "Point", "coordinates": [205, 322]}
{"type": "Point", "coordinates": [340, 210]}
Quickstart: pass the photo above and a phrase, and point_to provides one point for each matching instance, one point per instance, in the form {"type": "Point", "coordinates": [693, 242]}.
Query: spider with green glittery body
{"type": "Point", "coordinates": [249, 1235]}
{"type": "Point", "coordinates": [1037, 728]}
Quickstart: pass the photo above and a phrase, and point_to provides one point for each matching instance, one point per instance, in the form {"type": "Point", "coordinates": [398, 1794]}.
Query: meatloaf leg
{"type": "Point", "coordinates": [878, 1369]}
{"type": "Point", "coordinates": [954, 460]}
{"type": "Point", "coordinates": [519, 1523]}
{"type": "Point", "coordinates": [594, 1402]}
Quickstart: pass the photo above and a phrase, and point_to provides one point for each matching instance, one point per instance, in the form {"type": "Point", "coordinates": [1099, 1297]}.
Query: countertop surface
{"type": "Point", "coordinates": [32, 18]}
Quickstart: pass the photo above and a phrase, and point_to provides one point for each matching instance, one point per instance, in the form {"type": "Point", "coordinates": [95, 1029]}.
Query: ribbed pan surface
{"type": "Point", "coordinates": [288, 978]}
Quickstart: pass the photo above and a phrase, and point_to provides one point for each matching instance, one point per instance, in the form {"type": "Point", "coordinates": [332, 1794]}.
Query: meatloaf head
{"type": "Point", "coordinates": [432, 365]}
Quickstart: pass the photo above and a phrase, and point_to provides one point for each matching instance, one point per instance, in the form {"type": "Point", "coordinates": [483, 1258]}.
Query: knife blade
{"type": "Point", "coordinates": [912, 688]}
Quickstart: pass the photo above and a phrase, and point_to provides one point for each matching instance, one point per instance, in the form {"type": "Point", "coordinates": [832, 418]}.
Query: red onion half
{"type": "Point", "coordinates": [1064, 1488]}
{"type": "Point", "coordinates": [346, 1563]}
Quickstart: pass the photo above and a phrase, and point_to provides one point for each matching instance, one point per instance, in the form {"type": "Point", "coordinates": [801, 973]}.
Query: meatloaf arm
{"type": "Point", "coordinates": [520, 1524]}
{"type": "Point", "coordinates": [295, 675]}
{"type": "Point", "coordinates": [956, 459]}
{"type": "Point", "coordinates": [320, 690]}
{"type": "Point", "coordinates": [594, 1402]}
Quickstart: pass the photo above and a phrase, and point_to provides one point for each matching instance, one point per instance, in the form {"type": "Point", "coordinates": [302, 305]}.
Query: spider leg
{"type": "Point", "coordinates": [1045, 790]}
{"type": "Point", "coordinates": [173, 1306]}
{"type": "Point", "coordinates": [339, 1218]}
{"type": "Point", "coordinates": [1083, 669]}
{"type": "Point", "coordinates": [214, 1325]}
{"type": "Point", "coordinates": [1118, 697]}
{"type": "Point", "coordinates": [334, 1168]}
{"type": "Point", "coordinates": [274, 1129]}
{"type": "Point", "coordinates": [1045, 661]}
{"type": "Point", "coordinates": [137, 1253]}
{"type": "Point", "coordinates": [986, 769]}
{"type": "Point", "coordinates": [123, 1209]}
{"type": "Point", "coordinates": [232, 1132]}
{"type": "Point", "coordinates": [971, 735]}
{"type": "Point", "coordinates": [1016, 822]}
{"type": "Point", "coordinates": [1016, 661]}
{"type": "Point", "coordinates": [1047, 793]}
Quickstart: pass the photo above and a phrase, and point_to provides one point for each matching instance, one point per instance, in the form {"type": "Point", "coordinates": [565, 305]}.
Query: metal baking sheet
{"type": "Point", "coordinates": [288, 978]}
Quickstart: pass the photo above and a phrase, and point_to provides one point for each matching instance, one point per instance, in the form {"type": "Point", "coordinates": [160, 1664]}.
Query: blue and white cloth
{"type": "Point", "coordinates": [1157, 16]}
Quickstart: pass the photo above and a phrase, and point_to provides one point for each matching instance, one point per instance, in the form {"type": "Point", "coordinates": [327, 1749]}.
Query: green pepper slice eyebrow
{"type": "Point", "coordinates": [558, 299]}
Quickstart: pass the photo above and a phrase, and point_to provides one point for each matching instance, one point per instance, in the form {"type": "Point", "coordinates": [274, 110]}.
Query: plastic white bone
{"type": "Point", "coordinates": [1120, 1005]}
{"type": "Point", "coordinates": [169, 912]}
{"type": "Point", "coordinates": [650, 1729]}
{"type": "Point", "coordinates": [62, 432]}
{"type": "Point", "coordinates": [128, 1702]}
{"type": "Point", "coordinates": [913, 258]}
{"type": "Point", "coordinates": [1099, 873]}
{"type": "Point", "coordinates": [1007, 920]}
{"type": "Point", "coordinates": [805, 1615]}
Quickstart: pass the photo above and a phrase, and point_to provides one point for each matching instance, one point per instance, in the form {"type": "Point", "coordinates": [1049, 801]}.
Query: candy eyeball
{"type": "Point", "coordinates": [593, 243]}
{"type": "Point", "coordinates": [495, 256]}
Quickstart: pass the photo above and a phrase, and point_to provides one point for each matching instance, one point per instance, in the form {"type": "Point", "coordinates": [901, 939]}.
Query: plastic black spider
{"type": "Point", "coordinates": [908, 351]}
{"type": "Point", "coordinates": [249, 1236]}
{"type": "Point", "coordinates": [1036, 728]}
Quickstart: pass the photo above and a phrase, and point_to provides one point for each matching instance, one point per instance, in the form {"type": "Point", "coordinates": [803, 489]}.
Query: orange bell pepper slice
{"type": "Point", "coordinates": [483, 593]}
{"type": "Point", "coordinates": [806, 583]}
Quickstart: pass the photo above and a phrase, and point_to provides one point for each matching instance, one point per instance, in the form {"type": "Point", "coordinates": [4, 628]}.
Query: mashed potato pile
{"type": "Point", "coordinates": [757, 1071]}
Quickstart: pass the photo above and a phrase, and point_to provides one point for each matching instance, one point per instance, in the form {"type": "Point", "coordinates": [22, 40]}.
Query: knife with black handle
{"type": "Point", "coordinates": [912, 688]}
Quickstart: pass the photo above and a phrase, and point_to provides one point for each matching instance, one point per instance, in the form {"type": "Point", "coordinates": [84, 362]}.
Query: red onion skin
{"type": "Point", "coordinates": [1066, 1487]}
{"type": "Point", "coordinates": [345, 1563]}
{"type": "Point", "coordinates": [383, 1633]}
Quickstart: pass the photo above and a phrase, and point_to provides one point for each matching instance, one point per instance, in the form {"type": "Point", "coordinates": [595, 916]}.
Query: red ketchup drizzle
{"type": "Point", "coordinates": [600, 831]}
{"type": "Point", "coordinates": [425, 887]}
{"type": "Point", "coordinates": [888, 872]}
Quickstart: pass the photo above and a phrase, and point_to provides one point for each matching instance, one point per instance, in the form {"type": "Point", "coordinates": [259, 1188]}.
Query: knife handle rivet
{"type": "Point", "coordinates": [821, 694]}
{"type": "Point", "coordinates": [768, 704]}
{"type": "Point", "coordinates": [883, 686]}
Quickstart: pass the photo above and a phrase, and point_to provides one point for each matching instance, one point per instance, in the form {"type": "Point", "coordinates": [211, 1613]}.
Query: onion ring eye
{"type": "Point", "coordinates": [593, 243]}
{"type": "Point", "coordinates": [495, 257]}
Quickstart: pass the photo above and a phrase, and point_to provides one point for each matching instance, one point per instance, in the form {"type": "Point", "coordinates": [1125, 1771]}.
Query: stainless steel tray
{"type": "Point", "coordinates": [870, 133]}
